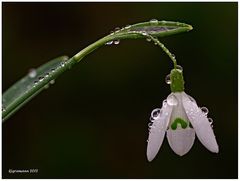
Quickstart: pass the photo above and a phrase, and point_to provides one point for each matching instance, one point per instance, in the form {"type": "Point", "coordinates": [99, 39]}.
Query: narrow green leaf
{"type": "Point", "coordinates": [32, 84]}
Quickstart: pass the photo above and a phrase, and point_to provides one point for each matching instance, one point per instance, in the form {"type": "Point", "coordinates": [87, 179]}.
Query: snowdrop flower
{"type": "Point", "coordinates": [181, 118]}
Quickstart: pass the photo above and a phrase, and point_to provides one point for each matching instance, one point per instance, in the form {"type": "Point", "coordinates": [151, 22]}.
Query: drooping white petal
{"type": "Point", "coordinates": [200, 124]}
{"type": "Point", "coordinates": [157, 132]}
{"type": "Point", "coordinates": [181, 140]}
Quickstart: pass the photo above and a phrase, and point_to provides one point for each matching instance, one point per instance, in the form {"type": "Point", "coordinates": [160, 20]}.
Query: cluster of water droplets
{"type": "Point", "coordinates": [33, 74]}
{"type": "Point", "coordinates": [155, 114]}
{"type": "Point", "coordinates": [205, 111]}
{"type": "Point", "coordinates": [117, 30]}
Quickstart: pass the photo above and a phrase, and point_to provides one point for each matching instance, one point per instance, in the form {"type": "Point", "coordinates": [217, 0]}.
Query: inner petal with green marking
{"type": "Point", "coordinates": [179, 121]}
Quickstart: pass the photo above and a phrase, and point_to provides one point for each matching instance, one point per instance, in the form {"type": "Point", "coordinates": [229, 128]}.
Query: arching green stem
{"type": "Point", "coordinates": [28, 87]}
{"type": "Point", "coordinates": [171, 56]}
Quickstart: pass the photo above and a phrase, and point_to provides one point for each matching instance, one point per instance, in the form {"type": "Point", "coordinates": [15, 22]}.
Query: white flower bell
{"type": "Point", "coordinates": [181, 118]}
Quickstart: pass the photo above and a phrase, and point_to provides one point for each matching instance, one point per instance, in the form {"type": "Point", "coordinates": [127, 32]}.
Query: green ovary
{"type": "Point", "coordinates": [180, 121]}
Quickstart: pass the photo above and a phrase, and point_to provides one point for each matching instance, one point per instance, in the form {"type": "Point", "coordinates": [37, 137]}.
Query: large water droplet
{"type": "Point", "coordinates": [167, 79]}
{"type": "Point", "coordinates": [116, 42]}
{"type": "Point", "coordinates": [155, 113]}
{"type": "Point", "coordinates": [32, 73]}
{"type": "Point", "coordinates": [204, 110]}
{"type": "Point", "coordinates": [172, 100]}
{"type": "Point", "coordinates": [153, 21]}
{"type": "Point", "coordinates": [109, 43]}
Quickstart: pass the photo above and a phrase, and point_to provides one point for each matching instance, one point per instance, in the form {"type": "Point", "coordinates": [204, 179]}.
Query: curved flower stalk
{"type": "Point", "coordinates": [181, 118]}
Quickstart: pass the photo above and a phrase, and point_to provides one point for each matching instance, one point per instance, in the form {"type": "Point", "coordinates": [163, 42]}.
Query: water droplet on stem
{"type": "Point", "coordinates": [153, 21]}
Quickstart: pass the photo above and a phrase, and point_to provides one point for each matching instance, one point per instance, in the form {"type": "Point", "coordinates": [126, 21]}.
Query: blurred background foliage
{"type": "Point", "coordinates": [93, 122]}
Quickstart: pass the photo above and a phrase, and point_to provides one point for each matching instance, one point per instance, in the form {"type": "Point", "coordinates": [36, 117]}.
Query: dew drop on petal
{"type": "Point", "coordinates": [167, 79]}
{"type": "Point", "coordinates": [32, 73]}
{"type": "Point", "coordinates": [150, 124]}
{"type": "Point", "coordinates": [191, 98]}
{"type": "Point", "coordinates": [155, 113]}
{"type": "Point", "coordinates": [164, 103]}
{"type": "Point", "coordinates": [210, 120]}
{"type": "Point", "coordinates": [204, 110]}
{"type": "Point", "coordinates": [172, 100]}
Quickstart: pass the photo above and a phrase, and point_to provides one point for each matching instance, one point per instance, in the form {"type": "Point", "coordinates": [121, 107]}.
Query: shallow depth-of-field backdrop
{"type": "Point", "coordinates": [93, 122]}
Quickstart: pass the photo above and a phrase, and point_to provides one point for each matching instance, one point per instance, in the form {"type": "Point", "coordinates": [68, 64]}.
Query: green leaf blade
{"type": "Point", "coordinates": [28, 86]}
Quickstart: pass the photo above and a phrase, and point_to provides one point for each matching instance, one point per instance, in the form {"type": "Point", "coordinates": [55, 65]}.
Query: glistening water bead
{"type": "Point", "coordinates": [116, 42]}
{"type": "Point", "coordinates": [154, 21]}
{"type": "Point", "coordinates": [32, 73]}
{"type": "Point", "coordinates": [109, 43]}
{"type": "Point", "coordinates": [167, 79]}
{"type": "Point", "coordinates": [204, 110]}
{"type": "Point", "coordinates": [40, 78]}
{"type": "Point", "coordinates": [179, 67]}
{"type": "Point", "coordinates": [155, 113]}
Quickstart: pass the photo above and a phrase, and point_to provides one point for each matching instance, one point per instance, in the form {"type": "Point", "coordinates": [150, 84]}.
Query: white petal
{"type": "Point", "coordinates": [157, 132]}
{"type": "Point", "coordinates": [181, 140]}
{"type": "Point", "coordinates": [200, 124]}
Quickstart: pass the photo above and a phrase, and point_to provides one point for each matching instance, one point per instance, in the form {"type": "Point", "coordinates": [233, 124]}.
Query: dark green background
{"type": "Point", "coordinates": [93, 122]}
